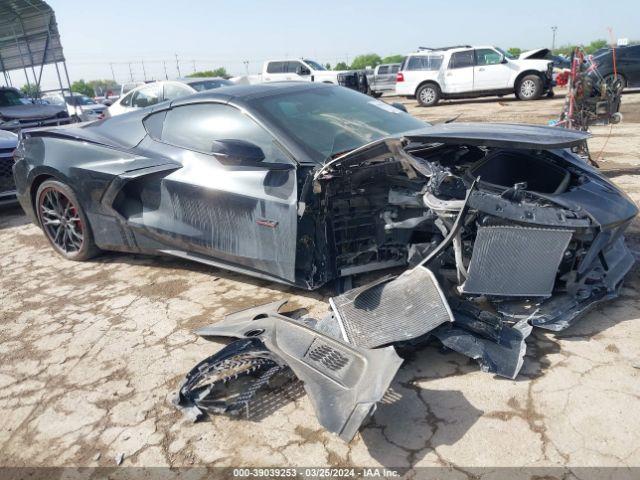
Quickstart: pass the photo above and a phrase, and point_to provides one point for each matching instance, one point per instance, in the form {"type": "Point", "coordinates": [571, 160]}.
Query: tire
{"type": "Point", "coordinates": [428, 94]}
{"type": "Point", "coordinates": [529, 88]}
{"type": "Point", "coordinates": [64, 222]}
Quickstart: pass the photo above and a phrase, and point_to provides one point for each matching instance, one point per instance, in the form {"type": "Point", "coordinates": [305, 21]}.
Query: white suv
{"type": "Point", "coordinates": [465, 71]}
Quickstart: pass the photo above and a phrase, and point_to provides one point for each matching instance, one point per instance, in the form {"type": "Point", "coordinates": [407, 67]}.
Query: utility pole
{"type": "Point", "coordinates": [130, 72]}
{"type": "Point", "coordinates": [178, 66]}
{"type": "Point", "coordinates": [194, 65]}
{"type": "Point", "coordinates": [553, 42]}
{"type": "Point", "coordinates": [166, 75]}
{"type": "Point", "coordinates": [112, 73]}
{"type": "Point", "coordinates": [144, 72]}
{"type": "Point", "coordinates": [246, 66]}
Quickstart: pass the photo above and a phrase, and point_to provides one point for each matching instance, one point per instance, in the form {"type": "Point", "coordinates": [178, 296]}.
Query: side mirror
{"type": "Point", "coordinates": [399, 106]}
{"type": "Point", "coordinates": [302, 70]}
{"type": "Point", "coordinates": [237, 152]}
{"type": "Point", "coordinates": [503, 59]}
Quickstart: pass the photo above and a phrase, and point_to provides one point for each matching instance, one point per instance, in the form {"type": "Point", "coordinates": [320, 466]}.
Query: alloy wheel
{"type": "Point", "coordinates": [528, 88]}
{"type": "Point", "coordinates": [427, 95]}
{"type": "Point", "coordinates": [61, 221]}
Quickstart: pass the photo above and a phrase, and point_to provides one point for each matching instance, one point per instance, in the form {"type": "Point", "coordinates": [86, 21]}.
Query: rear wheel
{"type": "Point", "coordinates": [64, 222]}
{"type": "Point", "coordinates": [529, 88]}
{"type": "Point", "coordinates": [428, 95]}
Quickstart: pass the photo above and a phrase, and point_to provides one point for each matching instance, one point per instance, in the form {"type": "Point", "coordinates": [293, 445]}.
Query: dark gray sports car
{"type": "Point", "coordinates": [504, 228]}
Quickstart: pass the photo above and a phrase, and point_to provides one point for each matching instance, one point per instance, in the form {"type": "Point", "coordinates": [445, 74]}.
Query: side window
{"type": "Point", "coordinates": [395, 68]}
{"type": "Point", "coordinates": [461, 59]}
{"type": "Point", "coordinates": [196, 127]}
{"type": "Point", "coordinates": [487, 56]}
{"type": "Point", "coordinates": [424, 62]}
{"type": "Point", "coordinates": [126, 101]}
{"type": "Point", "coordinates": [146, 96]}
{"type": "Point", "coordinates": [383, 70]}
{"type": "Point", "coordinates": [175, 90]}
{"type": "Point", "coordinates": [275, 67]}
{"type": "Point", "coordinates": [292, 67]}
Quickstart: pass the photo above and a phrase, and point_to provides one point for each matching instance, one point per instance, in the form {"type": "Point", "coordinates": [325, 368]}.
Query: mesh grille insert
{"type": "Point", "coordinates": [516, 261]}
{"type": "Point", "coordinates": [392, 310]}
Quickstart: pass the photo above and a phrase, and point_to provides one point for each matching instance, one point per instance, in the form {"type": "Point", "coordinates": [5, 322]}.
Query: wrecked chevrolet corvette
{"type": "Point", "coordinates": [499, 229]}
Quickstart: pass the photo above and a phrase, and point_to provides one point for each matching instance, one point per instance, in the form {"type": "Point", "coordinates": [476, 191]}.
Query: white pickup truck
{"type": "Point", "coordinates": [302, 70]}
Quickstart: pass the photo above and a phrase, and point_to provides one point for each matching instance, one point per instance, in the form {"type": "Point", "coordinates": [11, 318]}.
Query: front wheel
{"type": "Point", "coordinates": [428, 95]}
{"type": "Point", "coordinates": [529, 88]}
{"type": "Point", "coordinates": [64, 222]}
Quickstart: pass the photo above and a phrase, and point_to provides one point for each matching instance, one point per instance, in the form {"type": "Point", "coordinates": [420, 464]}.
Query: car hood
{"type": "Point", "coordinates": [30, 111]}
{"type": "Point", "coordinates": [535, 54]}
{"type": "Point", "coordinates": [8, 139]}
{"type": "Point", "coordinates": [502, 135]}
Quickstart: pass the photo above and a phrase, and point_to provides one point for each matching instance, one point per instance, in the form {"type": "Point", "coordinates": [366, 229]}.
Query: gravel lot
{"type": "Point", "coordinates": [90, 354]}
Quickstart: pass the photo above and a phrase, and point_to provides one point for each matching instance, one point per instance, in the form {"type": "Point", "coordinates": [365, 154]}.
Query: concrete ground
{"type": "Point", "coordinates": [90, 354]}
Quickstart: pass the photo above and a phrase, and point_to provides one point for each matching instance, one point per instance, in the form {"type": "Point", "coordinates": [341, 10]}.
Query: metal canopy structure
{"type": "Point", "coordinates": [29, 40]}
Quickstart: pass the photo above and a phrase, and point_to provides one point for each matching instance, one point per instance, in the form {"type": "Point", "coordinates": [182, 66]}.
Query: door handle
{"type": "Point", "coordinates": [481, 69]}
{"type": "Point", "coordinates": [449, 74]}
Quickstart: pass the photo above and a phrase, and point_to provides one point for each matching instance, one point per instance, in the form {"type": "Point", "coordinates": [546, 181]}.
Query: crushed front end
{"type": "Point", "coordinates": [498, 231]}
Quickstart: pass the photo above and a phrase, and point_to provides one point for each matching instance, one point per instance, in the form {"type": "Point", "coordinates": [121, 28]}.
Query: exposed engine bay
{"type": "Point", "coordinates": [493, 242]}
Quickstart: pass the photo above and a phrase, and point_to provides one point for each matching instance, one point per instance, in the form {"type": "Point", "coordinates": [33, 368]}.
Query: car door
{"type": "Point", "coordinates": [383, 78]}
{"type": "Point", "coordinates": [489, 72]}
{"type": "Point", "coordinates": [241, 215]}
{"type": "Point", "coordinates": [458, 78]}
{"type": "Point", "coordinates": [294, 68]}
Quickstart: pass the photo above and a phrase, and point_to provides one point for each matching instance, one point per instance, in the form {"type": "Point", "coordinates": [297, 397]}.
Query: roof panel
{"type": "Point", "coordinates": [29, 35]}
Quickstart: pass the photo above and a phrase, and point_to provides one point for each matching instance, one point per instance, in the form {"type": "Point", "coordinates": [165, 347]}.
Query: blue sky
{"type": "Point", "coordinates": [224, 33]}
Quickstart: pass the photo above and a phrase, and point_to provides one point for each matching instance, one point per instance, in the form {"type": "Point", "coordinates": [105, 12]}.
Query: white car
{"type": "Point", "coordinates": [304, 70]}
{"type": "Point", "coordinates": [464, 71]}
{"type": "Point", "coordinates": [156, 92]}
{"type": "Point", "coordinates": [80, 107]}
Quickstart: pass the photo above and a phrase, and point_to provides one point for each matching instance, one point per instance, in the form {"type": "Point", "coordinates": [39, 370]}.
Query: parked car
{"type": "Point", "coordinates": [156, 92]}
{"type": "Point", "coordinates": [432, 74]}
{"type": "Point", "coordinates": [8, 143]}
{"type": "Point", "coordinates": [18, 112]}
{"type": "Point", "coordinates": [383, 79]}
{"type": "Point", "coordinates": [627, 65]}
{"type": "Point", "coordinates": [80, 107]}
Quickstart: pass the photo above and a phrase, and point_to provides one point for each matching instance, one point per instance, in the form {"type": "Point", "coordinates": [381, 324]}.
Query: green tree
{"type": "Point", "coordinates": [80, 86]}
{"type": "Point", "coordinates": [366, 60]}
{"type": "Point", "coordinates": [515, 51]}
{"type": "Point", "coordinates": [341, 66]}
{"type": "Point", "coordinates": [595, 45]}
{"type": "Point", "coordinates": [31, 91]}
{"type": "Point", "coordinates": [327, 66]}
{"type": "Point", "coordinates": [218, 72]}
{"type": "Point", "coordinates": [393, 59]}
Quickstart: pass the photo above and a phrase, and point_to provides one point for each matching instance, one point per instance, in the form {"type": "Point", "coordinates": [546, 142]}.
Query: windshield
{"type": "Point", "coordinates": [10, 98]}
{"type": "Point", "coordinates": [79, 100]}
{"type": "Point", "coordinates": [328, 121]}
{"type": "Point", "coordinates": [506, 54]}
{"type": "Point", "coordinates": [314, 65]}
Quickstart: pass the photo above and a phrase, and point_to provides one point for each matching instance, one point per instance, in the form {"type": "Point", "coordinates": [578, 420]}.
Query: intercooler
{"type": "Point", "coordinates": [516, 261]}
{"type": "Point", "coordinates": [392, 310]}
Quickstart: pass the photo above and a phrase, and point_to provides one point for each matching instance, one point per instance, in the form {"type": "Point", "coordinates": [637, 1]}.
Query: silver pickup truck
{"type": "Point", "coordinates": [383, 79]}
